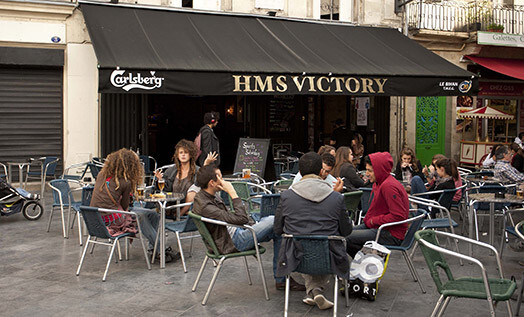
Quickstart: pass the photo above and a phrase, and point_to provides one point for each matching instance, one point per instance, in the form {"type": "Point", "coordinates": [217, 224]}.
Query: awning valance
{"type": "Point", "coordinates": [509, 67]}
{"type": "Point", "coordinates": [152, 50]}
{"type": "Point", "coordinates": [486, 112]}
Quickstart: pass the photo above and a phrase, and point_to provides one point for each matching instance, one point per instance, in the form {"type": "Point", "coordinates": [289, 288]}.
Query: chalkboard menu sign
{"type": "Point", "coordinates": [252, 154]}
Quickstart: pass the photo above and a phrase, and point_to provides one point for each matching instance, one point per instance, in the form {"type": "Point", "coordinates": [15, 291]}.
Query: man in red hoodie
{"type": "Point", "coordinates": [389, 204]}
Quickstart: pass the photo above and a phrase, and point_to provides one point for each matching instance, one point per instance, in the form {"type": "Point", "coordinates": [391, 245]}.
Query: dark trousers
{"type": "Point", "coordinates": [362, 234]}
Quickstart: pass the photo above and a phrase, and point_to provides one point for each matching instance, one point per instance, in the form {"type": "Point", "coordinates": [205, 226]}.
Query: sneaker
{"type": "Point", "coordinates": [517, 246]}
{"type": "Point", "coordinates": [171, 255]}
{"type": "Point", "coordinates": [308, 299]}
{"type": "Point", "coordinates": [320, 300]}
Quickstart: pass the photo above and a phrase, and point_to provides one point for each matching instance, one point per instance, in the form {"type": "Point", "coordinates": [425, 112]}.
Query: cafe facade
{"type": "Point", "coordinates": [126, 82]}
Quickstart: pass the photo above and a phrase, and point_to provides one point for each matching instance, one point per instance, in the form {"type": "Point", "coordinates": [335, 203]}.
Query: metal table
{"type": "Point", "coordinates": [489, 198]}
{"type": "Point", "coordinates": [174, 197]}
{"type": "Point", "coordinates": [485, 180]}
{"type": "Point", "coordinates": [20, 165]}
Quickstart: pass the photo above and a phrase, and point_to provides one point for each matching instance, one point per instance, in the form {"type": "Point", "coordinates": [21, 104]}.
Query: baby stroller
{"type": "Point", "coordinates": [14, 200]}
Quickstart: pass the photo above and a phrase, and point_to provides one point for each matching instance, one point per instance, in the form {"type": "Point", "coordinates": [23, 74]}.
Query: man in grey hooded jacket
{"type": "Point", "coordinates": [312, 207]}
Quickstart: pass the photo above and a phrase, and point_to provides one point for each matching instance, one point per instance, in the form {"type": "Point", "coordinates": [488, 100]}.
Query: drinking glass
{"type": "Point", "coordinates": [161, 184]}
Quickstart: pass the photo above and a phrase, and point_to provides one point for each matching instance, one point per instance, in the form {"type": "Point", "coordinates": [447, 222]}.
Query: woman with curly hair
{"type": "Point", "coordinates": [345, 169]}
{"type": "Point", "coordinates": [182, 174]}
{"type": "Point", "coordinates": [118, 179]}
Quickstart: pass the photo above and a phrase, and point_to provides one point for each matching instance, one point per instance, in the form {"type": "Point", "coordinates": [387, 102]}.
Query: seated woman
{"type": "Point", "coordinates": [448, 174]}
{"type": "Point", "coordinates": [118, 179]}
{"type": "Point", "coordinates": [182, 174]}
{"type": "Point", "coordinates": [358, 149]}
{"type": "Point", "coordinates": [489, 161]}
{"type": "Point", "coordinates": [408, 166]}
{"type": "Point", "coordinates": [518, 157]}
{"type": "Point", "coordinates": [345, 169]}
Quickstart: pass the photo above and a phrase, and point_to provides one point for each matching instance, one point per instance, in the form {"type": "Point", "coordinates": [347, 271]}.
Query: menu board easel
{"type": "Point", "coordinates": [253, 154]}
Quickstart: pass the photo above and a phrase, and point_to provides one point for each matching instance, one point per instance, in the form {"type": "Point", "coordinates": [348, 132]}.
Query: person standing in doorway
{"type": "Point", "coordinates": [340, 136]}
{"type": "Point", "coordinates": [208, 140]}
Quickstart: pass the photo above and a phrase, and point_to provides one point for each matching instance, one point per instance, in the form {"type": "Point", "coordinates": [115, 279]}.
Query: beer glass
{"type": "Point", "coordinates": [161, 184]}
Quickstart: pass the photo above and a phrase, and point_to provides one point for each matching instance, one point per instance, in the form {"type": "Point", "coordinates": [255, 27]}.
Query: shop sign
{"type": "Point", "coordinates": [501, 39]}
{"type": "Point", "coordinates": [500, 89]}
{"type": "Point", "coordinates": [283, 84]}
{"type": "Point", "coordinates": [127, 81]}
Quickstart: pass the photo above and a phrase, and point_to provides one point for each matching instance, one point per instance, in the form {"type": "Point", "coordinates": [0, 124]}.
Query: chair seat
{"type": "Point", "coordinates": [501, 289]}
{"type": "Point", "coordinates": [72, 177]}
{"type": "Point", "coordinates": [127, 234]}
{"type": "Point", "coordinates": [438, 223]}
{"type": "Point", "coordinates": [76, 206]}
{"type": "Point", "coordinates": [397, 247]}
{"type": "Point", "coordinates": [237, 254]}
{"type": "Point", "coordinates": [511, 230]}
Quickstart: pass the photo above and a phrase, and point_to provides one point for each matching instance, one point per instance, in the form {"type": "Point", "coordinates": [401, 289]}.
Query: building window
{"type": "Point", "coordinates": [187, 3]}
{"type": "Point", "coordinates": [329, 9]}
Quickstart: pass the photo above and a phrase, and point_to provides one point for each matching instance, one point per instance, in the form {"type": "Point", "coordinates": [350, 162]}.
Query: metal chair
{"type": "Point", "coordinates": [94, 169]}
{"type": "Point", "coordinates": [444, 222]}
{"type": "Point", "coordinates": [479, 207]}
{"type": "Point", "coordinates": [97, 229]}
{"type": "Point", "coordinates": [415, 222]}
{"type": "Point", "coordinates": [518, 231]}
{"type": "Point", "coordinates": [47, 169]}
{"type": "Point", "coordinates": [490, 289]}
{"type": "Point", "coordinates": [352, 199]}
{"type": "Point", "coordinates": [63, 198]}
{"type": "Point", "coordinates": [245, 192]}
{"type": "Point", "coordinates": [76, 168]}
{"type": "Point", "coordinates": [213, 253]}
{"type": "Point", "coordinates": [149, 166]}
{"type": "Point", "coordinates": [185, 224]}
{"type": "Point", "coordinates": [316, 260]}
{"type": "Point", "coordinates": [365, 202]}
{"type": "Point", "coordinates": [87, 194]}
{"type": "Point", "coordinates": [269, 204]}
{"type": "Point", "coordinates": [4, 168]}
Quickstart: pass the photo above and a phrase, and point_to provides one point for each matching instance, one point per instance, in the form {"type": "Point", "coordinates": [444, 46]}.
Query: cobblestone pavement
{"type": "Point", "coordinates": [38, 279]}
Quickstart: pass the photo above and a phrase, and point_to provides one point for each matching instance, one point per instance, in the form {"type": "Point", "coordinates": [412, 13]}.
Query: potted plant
{"type": "Point", "coordinates": [494, 27]}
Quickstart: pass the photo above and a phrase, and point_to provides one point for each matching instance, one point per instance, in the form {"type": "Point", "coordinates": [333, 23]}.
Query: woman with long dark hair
{"type": "Point", "coordinates": [518, 157]}
{"type": "Point", "coordinates": [345, 169]}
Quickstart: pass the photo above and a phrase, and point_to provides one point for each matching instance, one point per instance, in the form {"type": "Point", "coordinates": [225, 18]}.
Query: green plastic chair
{"type": "Point", "coordinates": [245, 191]}
{"type": "Point", "coordinates": [213, 253]}
{"type": "Point", "coordinates": [490, 289]}
{"type": "Point", "coordinates": [352, 199]}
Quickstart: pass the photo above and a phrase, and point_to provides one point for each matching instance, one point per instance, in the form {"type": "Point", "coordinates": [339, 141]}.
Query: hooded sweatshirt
{"type": "Point", "coordinates": [390, 200]}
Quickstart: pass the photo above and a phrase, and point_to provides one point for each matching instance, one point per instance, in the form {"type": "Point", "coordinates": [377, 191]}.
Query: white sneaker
{"type": "Point", "coordinates": [320, 300]}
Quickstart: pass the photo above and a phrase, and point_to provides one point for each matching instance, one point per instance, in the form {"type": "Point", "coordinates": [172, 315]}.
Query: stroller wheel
{"type": "Point", "coordinates": [33, 210]}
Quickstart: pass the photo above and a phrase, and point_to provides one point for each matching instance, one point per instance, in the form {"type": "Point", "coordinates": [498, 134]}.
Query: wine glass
{"type": "Point", "coordinates": [161, 184]}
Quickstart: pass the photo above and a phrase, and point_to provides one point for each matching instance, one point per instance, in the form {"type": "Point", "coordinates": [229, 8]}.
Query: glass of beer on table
{"type": "Point", "coordinates": [161, 184]}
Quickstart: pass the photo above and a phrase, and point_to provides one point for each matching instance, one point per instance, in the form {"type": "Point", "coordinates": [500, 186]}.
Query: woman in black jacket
{"type": "Point", "coordinates": [448, 174]}
{"type": "Point", "coordinates": [345, 169]}
{"type": "Point", "coordinates": [518, 157]}
{"type": "Point", "coordinates": [408, 164]}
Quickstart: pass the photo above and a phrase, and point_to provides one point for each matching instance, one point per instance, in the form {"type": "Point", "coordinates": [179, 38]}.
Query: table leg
{"type": "Point", "coordinates": [492, 224]}
{"type": "Point", "coordinates": [20, 174]}
{"type": "Point", "coordinates": [471, 229]}
{"type": "Point", "coordinates": [9, 173]}
{"type": "Point", "coordinates": [162, 234]}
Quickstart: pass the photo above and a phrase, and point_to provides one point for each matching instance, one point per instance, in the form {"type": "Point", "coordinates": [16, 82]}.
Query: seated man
{"type": "Point", "coordinates": [503, 169]}
{"type": "Point", "coordinates": [389, 204]}
{"type": "Point", "coordinates": [328, 162]}
{"type": "Point", "coordinates": [311, 207]}
{"type": "Point", "coordinates": [233, 239]}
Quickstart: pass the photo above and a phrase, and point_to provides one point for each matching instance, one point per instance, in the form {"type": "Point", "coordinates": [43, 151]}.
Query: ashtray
{"type": "Point", "coordinates": [500, 195]}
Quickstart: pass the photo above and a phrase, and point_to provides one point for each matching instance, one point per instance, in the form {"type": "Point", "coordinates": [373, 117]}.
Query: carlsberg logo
{"type": "Point", "coordinates": [129, 81]}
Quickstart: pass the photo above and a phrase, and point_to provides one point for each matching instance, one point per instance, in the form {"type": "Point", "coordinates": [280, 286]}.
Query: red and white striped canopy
{"type": "Point", "coordinates": [486, 113]}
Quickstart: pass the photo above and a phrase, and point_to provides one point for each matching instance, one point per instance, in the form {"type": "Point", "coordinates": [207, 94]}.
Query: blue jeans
{"type": "Point", "coordinates": [362, 234]}
{"type": "Point", "coordinates": [243, 240]}
{"type": "Point", "coordinates": [417, 186]}
{"type": "Point", "coordinates": [149, 220]}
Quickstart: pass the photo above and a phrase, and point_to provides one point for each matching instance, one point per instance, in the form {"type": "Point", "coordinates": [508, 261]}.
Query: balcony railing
{"type": "Point", "coordinates": [456, 16]}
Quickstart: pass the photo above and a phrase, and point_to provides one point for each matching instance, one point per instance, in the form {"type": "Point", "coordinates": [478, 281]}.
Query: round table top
{"type": "Point", "coordinates": [169, 197]}
{"type": "Point", "coordinates": [488, 179]}
{"type": "Point", "coordinates": [490, 197]}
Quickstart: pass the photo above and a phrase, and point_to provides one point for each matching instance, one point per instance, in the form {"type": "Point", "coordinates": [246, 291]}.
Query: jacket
{"type": "Point", "coordinates": [398, 171]}
{"type": "Point", "coordinates": [311, 207]}
{"type": "Point", "coordinates": [210, 206]}
{"type": "Point", "coordinates": [352, 181]}
{"type": "Point", "coordinates": [170, 175]}
{"type": "Point", "coordinates": [390, 200]}
{"type": "Point", "coordinates": [208, 144]}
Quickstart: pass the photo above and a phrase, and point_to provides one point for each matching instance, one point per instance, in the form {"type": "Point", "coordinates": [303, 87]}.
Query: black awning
{"type": "Point", "coordinates": [149, 50]}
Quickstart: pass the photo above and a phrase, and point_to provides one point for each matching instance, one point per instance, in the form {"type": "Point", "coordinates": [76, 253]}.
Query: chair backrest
{"type": "Point", "coordinates": [94, 169]}
{"type": "Point", "coordinates": [279, 168]}
{"type": "Point", "coordinates": [50, 163]}
{"type": "Point", "coordinates": [446, 198]}
{"type": "Point", "coordinates": [284, 182]}
{"type": "Point", "coordinates": [204, 233]}
{"type": "Point", "coordinates": [269, 204]}
{"type": "Point", "coordinates": [414, 226]}
{"type": "Point", "coordinates": [293, 166]}
{"type": "Point", "coordinates": [480, 173]}
{"type": "Point", "coordinates": [433, 258]}
{"type": "Point", "coordinates": [316, 259]}
{"type": "Point", "coordinates": [94, 223]}
{"type": "Point", "coordinates": [62, 189]}
{"type": "Point", "coordinates": [146, 159]}
{"type": "Point", "coordinates": [242, 189]}
{"type": "Point", "coordinates": [87, 194]}
{"type": "Point", "coordinates": [352, 199]}
{"type": "Point", "coordinates": [287, 176]}
{"type": "Point", "coordinates": [4, 170]}
{"type": "Point", "coordinates": [365, 199]}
